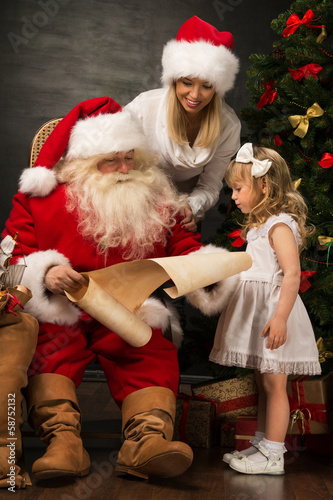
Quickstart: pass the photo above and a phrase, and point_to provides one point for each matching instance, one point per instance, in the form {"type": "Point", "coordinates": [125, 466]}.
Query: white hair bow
{"type": "Point", "coordinates": [245, 155]}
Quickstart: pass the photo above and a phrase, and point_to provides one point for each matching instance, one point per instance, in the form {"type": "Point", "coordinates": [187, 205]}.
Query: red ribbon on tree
{"type": "Point", "coordinates": [326, 160]}
{"type": "Point", "coordinates": [305, 71]}
{"type": "Point", "coordinates": [268, 96]}
{"type": "Point", "coordinates": [238, 241]}
{"type": "Point", "coordinates": [305, 283]}
{"type": "Point", "coordinates": [294, 22]}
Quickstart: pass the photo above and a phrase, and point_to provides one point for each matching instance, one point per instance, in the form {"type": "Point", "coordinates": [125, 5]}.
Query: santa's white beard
{"type": "Point", "coordinates": [130, 211]}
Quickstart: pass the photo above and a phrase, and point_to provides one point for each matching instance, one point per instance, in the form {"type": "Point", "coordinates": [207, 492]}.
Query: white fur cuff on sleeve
{"type": "Point", "coordinates": [54, 308]}
{"type": "Point", "coordinates": [213, 301]}
{"type": "Point", "coordinates": [157, 315]}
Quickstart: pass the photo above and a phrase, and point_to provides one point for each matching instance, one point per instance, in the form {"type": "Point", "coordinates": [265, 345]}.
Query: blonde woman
{"type": "Point", "coordinates": [188, 121]}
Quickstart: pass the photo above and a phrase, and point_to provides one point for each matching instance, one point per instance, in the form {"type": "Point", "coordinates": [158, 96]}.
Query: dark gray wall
{"type": "Point", "coordinates": [57, 53]}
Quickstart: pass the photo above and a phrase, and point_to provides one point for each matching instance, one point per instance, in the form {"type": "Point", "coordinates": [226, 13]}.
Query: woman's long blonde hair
{"type": "Point", "coordinates": [211, 120]}
{"type": "Point", "coordinates": [280, 195]}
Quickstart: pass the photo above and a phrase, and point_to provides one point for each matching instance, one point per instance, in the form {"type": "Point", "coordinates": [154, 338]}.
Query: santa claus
{"type": "Point", "coordinates": [103, 203]}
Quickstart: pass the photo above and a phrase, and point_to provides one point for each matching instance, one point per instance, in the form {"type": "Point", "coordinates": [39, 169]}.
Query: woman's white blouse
{"type": "Point", "coordinates": [197, 171]}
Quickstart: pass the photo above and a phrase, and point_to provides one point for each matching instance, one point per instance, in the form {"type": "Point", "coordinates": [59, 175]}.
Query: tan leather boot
{"type": "Point", "coordinates": [55, 415]}
{"type": "Point", "coordinates": [148, 421]}
{"type": "Point", "coordinates": [18, 339]}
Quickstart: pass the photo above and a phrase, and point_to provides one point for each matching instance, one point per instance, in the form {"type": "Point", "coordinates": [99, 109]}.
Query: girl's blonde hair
{"type": "Point", "coordinates": [211, 120]}
{"type": "Point", "coordinates": [280, 195]}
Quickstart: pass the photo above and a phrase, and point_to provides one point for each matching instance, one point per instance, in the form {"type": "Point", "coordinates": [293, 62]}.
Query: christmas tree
{"type": "Point", "coordinates": [291, 110]}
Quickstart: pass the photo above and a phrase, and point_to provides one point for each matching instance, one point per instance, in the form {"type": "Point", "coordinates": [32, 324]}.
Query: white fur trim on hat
{"type": "Point", "coordinates": [105, 133]}
{"type": "Point", "coordinates": [37, 181]}
{"type": "Point", "coordinates": [213, 301]}
{"type": "Point", "coordinates": [214, 64]}
{"type": "Point", "coordinates": [54, 308]}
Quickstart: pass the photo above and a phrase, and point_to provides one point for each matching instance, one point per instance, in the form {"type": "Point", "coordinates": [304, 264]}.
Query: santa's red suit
{"type": "Point", "coordinates": [68, 338]}
{"type": "Point", "coordinates": [144, 380]}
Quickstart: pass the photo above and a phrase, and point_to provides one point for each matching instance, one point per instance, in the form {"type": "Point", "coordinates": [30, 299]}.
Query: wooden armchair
{"type": "Point", "coordinates": [39, 138]}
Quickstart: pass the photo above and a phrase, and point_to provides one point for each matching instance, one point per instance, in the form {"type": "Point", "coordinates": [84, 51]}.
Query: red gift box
{"type": "Point", "coordinates": [236, 396]}
{"type": "Point", "coordinates": [245, 428]}
{"type": "Point", "coordinates": [322, 444]}
{"type": "Point", "coordinates": [310, 400]}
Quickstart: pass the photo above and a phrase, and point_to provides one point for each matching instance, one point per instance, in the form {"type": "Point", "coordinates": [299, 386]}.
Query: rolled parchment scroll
{"type": "Point", "coordinates": [115, 293]}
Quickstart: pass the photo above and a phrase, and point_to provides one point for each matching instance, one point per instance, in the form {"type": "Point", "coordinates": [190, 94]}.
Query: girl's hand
{"type": "Point", "coordinates": [60, 279]}
{"type": "Point", "coordinates": [188, 222]}
{"type": "Point", "coordinates": [276, 329]}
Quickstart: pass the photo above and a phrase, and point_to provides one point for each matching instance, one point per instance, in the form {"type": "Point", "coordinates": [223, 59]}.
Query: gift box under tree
{"type": "Point", "coordinates": [311, 404]}
{"type": "Point", "coordinates": [245, 428]}
{"type": "Point", "coordinates": [236, 396]}
{"type": "Point", "coordinates": [195, 421]}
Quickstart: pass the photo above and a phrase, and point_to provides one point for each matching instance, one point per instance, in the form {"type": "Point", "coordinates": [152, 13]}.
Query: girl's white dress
{"type": "Point", "coordinates": [238, 340]}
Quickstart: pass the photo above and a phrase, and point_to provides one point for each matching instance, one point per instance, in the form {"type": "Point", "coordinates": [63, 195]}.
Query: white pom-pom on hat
{"type": "Point", "coordinates": [37, 181]}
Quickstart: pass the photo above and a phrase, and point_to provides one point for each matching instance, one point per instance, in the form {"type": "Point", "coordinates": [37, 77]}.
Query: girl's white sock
{"type": "Point", "coordinates": [273, 446]}
{"type": "Point", "coordinates": [249, 451]}
{"type": "Point", "coordinates": [259, 435]}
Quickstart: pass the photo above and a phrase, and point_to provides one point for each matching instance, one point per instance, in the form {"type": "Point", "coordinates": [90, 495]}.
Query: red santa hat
{"type": "Point", "coordinates": [201, 51]}
{"type": "Point", "coordinates": [41, 180]}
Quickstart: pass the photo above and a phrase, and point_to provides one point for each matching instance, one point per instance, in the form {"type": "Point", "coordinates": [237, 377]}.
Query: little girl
{"type": "Point", "coordinates": [265, 325]}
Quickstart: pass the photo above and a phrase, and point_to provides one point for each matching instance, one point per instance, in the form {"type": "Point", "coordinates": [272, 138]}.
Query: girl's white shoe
{"type": "Point", "coordinates": [227, 457]}
{"type": "Point", "coordinates": [273, 465]}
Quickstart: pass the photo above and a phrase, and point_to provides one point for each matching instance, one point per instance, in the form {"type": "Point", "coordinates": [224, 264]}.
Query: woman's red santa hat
{"type": "Point", "coordinates": [201, 51]}
{"type": "Point", "coordinates": [93, 127]}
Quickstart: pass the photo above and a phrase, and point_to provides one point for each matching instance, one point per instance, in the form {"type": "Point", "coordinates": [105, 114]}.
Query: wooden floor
{"type": "Point", "coordinates": [308, 476]}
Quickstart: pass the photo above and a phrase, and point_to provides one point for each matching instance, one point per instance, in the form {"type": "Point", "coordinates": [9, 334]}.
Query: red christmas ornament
{"type": "Point", "coordinates": [305, 71]}
{"type": "Point", "coordinates": [294, 22]}
{"type": "Point", "coordinates": [238, 241]}
{"type": "Point", "coordinates": [305, 283]}
{"type": "Point", "coordinates": [268, 96]}
{"type": "Point", "coordinates": [326, 160]}
{"type": "Point", "coordinates": [277, 140]}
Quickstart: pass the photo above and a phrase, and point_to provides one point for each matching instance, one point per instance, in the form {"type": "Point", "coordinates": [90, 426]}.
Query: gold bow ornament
{"type": "Point", "coordinates": [302, 121]}
{"type": "Point", "coordinates": [326, 241]}
{"type": "Point", "coordinates": [300, 414]}
{"type": "Point", "coordinates": [322, 36]}
{"type": "Point", "coordinates": [323, 354]}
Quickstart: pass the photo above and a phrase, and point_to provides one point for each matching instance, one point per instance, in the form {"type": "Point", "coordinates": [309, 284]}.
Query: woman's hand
{"type": "Point", "coordinates": [188, 223]}
{"type": "Point", "coordinates": [60, 279]}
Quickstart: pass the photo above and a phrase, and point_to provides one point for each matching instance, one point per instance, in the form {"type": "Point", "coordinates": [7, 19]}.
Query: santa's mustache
{"type": "Point", "coordinates": [113, 178]}
{"type": "Point", "coordinates": [120, 177]}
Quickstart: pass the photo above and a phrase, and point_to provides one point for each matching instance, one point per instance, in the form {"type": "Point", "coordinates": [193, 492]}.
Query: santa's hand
{"type": "Point", "coordinates": [60, 279]}
{"type": "Point", "coordinates": [188, 221]}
